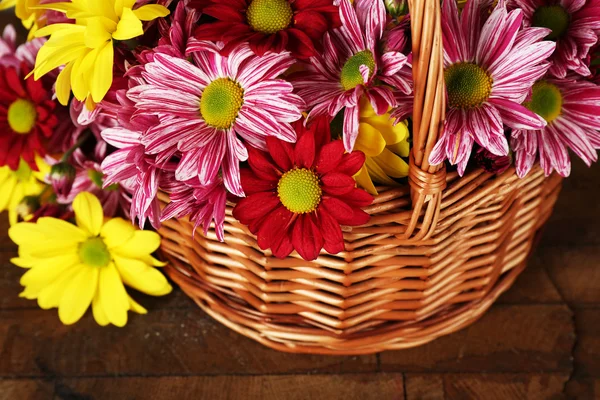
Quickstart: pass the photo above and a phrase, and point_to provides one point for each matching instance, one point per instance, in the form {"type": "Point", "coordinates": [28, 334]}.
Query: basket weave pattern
{"type": "Point", "coordinates": [432, 259]}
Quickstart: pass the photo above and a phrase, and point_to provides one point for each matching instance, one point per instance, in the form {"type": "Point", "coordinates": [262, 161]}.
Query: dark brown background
{"type": "Point", "coordinates": [540, 341]}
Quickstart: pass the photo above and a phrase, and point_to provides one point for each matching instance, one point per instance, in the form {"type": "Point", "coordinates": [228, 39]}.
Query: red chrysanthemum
{"type": "Point", "coordinates": [299, 195]}
{"type": "Point", "coordinates": [26, 117]}
{"type": "Point", "coordinates": [268, 25]}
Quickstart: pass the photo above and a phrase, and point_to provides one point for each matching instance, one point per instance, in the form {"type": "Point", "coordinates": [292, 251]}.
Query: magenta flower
{"type": "Point", "coordinates": [572, 110]}
{"type": "Point", "coordinates": [353, 66]}
{"type": "Point", "coordinates": [202, 203]}
{"type": "Point", "coordinates": [490, 66]}
{"type": "Point", "coordinates": [206, 107]}
{"type": "Point", "coordinates": [574, 26]}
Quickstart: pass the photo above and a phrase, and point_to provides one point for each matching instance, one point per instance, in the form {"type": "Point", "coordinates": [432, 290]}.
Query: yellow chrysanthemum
{"type": "Point", "coordinates": [86, 47]}
{"type": "Point", "coordinates": [32, 18]}
{"type": "Point", "coordinates": [384, 145]}
{"type": "Point", "coordinates": [73, 266]}
{"type": "Point", "coordinates": [15, 185]}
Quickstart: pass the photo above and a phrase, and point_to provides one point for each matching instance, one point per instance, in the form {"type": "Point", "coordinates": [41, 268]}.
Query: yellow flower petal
{"type": "Point", "coordinates": [46, 271]}
{"type": "Point", "coordinates": [103, 73]}
{"type": "Point", "coordinates": [369, 140]}
{"type": "Point", "coordinates": [50, 29]}
{"type": "Point", "coordinates": [364, 180]}
{"type": "Point", "coordinates": [6, 4]}
{"type": "Point", "coordinates": [150, 12]}
{"type": "Point", "coordinates": [112, 295]}
{"type": "Point", "coordinates": [378, 175]}
{"type": "Point", "coordinates": [78, 295]}
{"type": "Point", "coordinates": [402, 148]}
{"type": "Point", "coordinates": [79, 84]}
{"type": "Point", "coordinates": [96, 34]}
{"type": "Point", "coordinates": [88, 213]}
{"type": "Point", "coordinates": [25, 232]}
{"type": "Point", "coordinates": [7, 188]}
{"type": "Point", "coordinates": [50, 296]}
{"type": "Point", "coordinates": [390, 133]}
{"type": "Point", "coordinates": [391, 164]}
{"type": "Point", "coordinates": [129, 26]}
{"type": "Point", "coordinates": [98, 311]}
{"type": "Point", "coordinates": [63, 229]}
{"type": "Point", "coordinates": [63, 84]}
{"type": "Point", "coordinates": [141, 277]}
{"type": "Point", "coordinates": [152, 261]}
{"type": "Point", "coordinates": [141, 244]}
{"type": "Point", "coordinates": [116, 232]}
{"type": "Point", "coordinates": [135, 307]}
{"type": "Point", "coordinates": [23, 262]}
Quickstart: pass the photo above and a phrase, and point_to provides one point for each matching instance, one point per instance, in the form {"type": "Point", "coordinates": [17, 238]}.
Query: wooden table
{"type": "Point", "coordinates": [540, 341]}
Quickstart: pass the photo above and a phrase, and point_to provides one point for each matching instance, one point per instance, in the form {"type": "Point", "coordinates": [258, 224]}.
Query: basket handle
{"type": "Point", "coordinates": [426, 181]}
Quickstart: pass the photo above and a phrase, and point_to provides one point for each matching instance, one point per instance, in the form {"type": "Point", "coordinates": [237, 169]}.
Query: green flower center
{"type": "Point", "coordinates": [269, 16]}
{"type": "Point", "coordinates": [351, 76]}
{"type": "Point", "coordinates": [468, 85]}
{"type": "Point", "coordinates": [552, 17]}
{"type": "Point", "coordinates": [220, 103]}
{"type": "Point", "coordinates": [93, 252]}
{"type": "Point", "coordinates": [23, 173]}
{"type": "Point", "coordinates": [22, 116]}
{"type": "Point", "coordinates": [299, 190]}
{"type": "Point", "coordinates": [546, 101]}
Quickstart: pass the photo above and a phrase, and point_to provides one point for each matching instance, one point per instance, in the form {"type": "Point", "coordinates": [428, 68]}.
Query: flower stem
{"type": "Point", "coordinates": [77, 145]}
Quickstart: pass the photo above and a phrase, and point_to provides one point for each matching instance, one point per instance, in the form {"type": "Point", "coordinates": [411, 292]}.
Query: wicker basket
{"type": "Point", "coordinates": [433, 258]}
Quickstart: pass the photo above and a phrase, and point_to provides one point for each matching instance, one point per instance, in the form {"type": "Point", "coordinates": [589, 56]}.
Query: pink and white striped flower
{"type": "Point", "coordinates": [574, 25]}
{"type": "Point", "coordinates": [202, 203]}
{"type": "Point", "coordinates": [572, 110]}
{"type": "Point", "coordinates": [490, 65]}
{"type": "Point", "coordinates": [130, 166]}
{"type": "Point", "coordinates": [210, 108]}
{"type": "Point", "coordinates": [351, 66]}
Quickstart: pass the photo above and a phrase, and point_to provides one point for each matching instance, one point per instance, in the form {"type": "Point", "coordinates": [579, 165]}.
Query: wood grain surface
{"type": "Point", "coordinates": [540, 341]}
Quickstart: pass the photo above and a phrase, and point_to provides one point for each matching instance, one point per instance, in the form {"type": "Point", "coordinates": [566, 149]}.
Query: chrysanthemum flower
{"type": "Point", "coordinates": [574, 27]}
{"type": "Point", "coordinates": [490, 66]}
{"type": "Point", "coordinates": [384, 143]}
{"type": "Point", "coordinates": [298, 195]}
{"type": "Point", "coordinates": [27, 117]}
{"type": "Point", "coordinates": [572, 110]}
{"type": "Point", "coordinates": [15, 185]}
{"type": "Point", "coordinates": [73, 266]}
{"type": "Point", "coordinates": [86, 46]}
{"type": "Point", "coordinates": [268, 25]}
{"type": "Point", "coordinates": [201, 203]}
{"type": "Point", "coordinates": [352, 66]}
{"type": "Point", "coordinates": [205, 108]}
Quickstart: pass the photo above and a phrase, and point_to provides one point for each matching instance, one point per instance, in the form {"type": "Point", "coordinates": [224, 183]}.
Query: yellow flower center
{"type": "Point", "coordinates": [94, 253]}
{"type": "Point", "coordinates": [299, 190]}
{"type": "Point", "coordinates": [221, 102]}
{"type": "Point", "coordinates": [546, 101]}
{"type": "Point", "coordinates": [468, 85]}
{"type": "Point", "coordinates": [23, 173]}
{"type": "Point", "coordinates": [269, 16]}
{"type": "Point", "coordinates": [351, 76]}
{"type": "Point", "coordinates": [22, 116]}
{"type": "Point", "coordinates": [552, 17]}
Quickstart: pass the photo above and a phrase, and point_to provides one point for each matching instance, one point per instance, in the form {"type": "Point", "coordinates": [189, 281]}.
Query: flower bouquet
{"type": "Point", "coordinates": [364, 175]}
